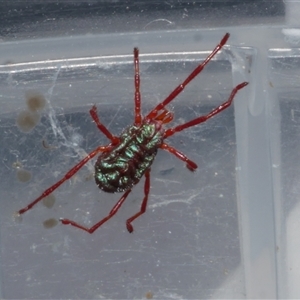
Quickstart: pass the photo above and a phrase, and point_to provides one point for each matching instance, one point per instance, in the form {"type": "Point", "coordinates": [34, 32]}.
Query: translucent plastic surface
{"type": "Point", "coordinates": [191, 224]}
{"type": "Point", "coordinates": [228, 230]}
{"type": "Point", "coordinates": [284, 109]}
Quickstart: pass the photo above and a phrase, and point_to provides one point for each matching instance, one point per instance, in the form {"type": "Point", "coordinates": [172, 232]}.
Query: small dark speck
{"type": "Point", "coordinates": [198, 37]}
{"type": "Point", "coordinates": [149, 295]}
{"type": "Point", "coordinates": [23, 175]}
{"type": "Point", "coordinates": [50, 223]}
{"type": "Point", "coordinates": [49, 201]}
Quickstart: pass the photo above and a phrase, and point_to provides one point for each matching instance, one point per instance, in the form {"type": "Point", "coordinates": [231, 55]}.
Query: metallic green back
{"type": "Point", "coordinates": [123, 167]}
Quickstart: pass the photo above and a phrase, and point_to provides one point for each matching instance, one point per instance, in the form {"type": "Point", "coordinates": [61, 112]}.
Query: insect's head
{"type": "Point", "coordinates": [164, 116]}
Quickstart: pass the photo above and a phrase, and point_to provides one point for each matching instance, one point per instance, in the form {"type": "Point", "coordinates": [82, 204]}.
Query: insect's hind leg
{"type": "Point", "coordinates": [189, 163]}
{"type": "Point", "coordinates": [101, 127]}
{"type": "Point", "coordinates": [97, 225]}
{"type": "Point", "coordinates": [144, 203]}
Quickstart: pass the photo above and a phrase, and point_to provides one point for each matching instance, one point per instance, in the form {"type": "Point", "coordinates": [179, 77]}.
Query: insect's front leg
{"type": "Point", "coordinates": [97, 225]}
{"type": "Point", "coordinates": [144, 203]}
{"type": "Point", "coordinates": [137, 93]}
{"type": "Point", "coordinates": [194, 74]}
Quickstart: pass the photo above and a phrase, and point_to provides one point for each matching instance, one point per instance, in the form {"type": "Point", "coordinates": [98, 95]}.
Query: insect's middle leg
{"type": "Point", "coordinates": [144, 203]}
{"type": "Point", "coordinates": [204, 118]}
{"type": "Point", "coordinates": [97, 225]}
{"type": "Point", "coordinates": [189, 163]}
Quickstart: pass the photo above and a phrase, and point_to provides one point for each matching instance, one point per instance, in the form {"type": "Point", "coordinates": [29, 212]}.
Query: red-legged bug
{"type": "Point", "coordinates": [127, 158]}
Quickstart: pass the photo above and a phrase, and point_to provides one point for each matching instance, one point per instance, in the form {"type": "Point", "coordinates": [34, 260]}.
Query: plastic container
{"type": "Point", "coordinates": [228, 230]}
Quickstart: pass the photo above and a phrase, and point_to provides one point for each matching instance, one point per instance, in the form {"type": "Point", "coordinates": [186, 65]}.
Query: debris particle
{"type": "Point", "coordinates": [50, 223]}
{"type": "Point", "coordinates": [35, 101]}
{"type": "Point", "coordinates": [23, 175]}
{"type": "Point", "coordinates": [27, 120]}
{"type": "Point", "coordinates": [49, 201]}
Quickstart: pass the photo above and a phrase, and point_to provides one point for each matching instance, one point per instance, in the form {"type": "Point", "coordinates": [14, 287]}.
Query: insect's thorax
{"type": "Point", "coordinates": [122, 167]}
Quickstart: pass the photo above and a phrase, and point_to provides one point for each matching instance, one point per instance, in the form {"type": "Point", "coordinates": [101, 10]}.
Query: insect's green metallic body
{"type": "Point", "coordinates": [121, 168]}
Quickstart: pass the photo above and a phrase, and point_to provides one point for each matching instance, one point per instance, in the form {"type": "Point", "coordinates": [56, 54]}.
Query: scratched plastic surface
{"type": "Point", "coordinates": [229, 230]}
{"type": "Point", "coordinates": [285, 120]}
{"type": "Point", "coordinates": [187, 243]}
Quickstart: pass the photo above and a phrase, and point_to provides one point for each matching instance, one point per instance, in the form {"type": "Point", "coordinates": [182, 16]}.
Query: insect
{"type": "Point", "coordinates": [128, 157]}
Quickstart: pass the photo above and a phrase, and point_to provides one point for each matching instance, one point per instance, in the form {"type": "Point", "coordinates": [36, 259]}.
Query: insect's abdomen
{"type": "Point", "coordinates": [120, 169]}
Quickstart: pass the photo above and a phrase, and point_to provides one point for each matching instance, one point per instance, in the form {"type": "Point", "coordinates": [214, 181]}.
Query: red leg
{"type": "Point", "coordinates": [97, 225]}
{"type": "Point", "coordinates": [137, 94]}
{"type": "Point", "coordinates": [202, 119]}
{"type": "Point", "coordinates": [165, 116]}
{"type": "Point", "coordinates": [101, 127]}
{"type": "Point", "coordinates": [181, 86]}
{"type": "Point", "coordinates": [144, 203]}
{"type": "Point", "coordinates": [73, 171]}
{"type": "Point", "coordinates": [189, 164]}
